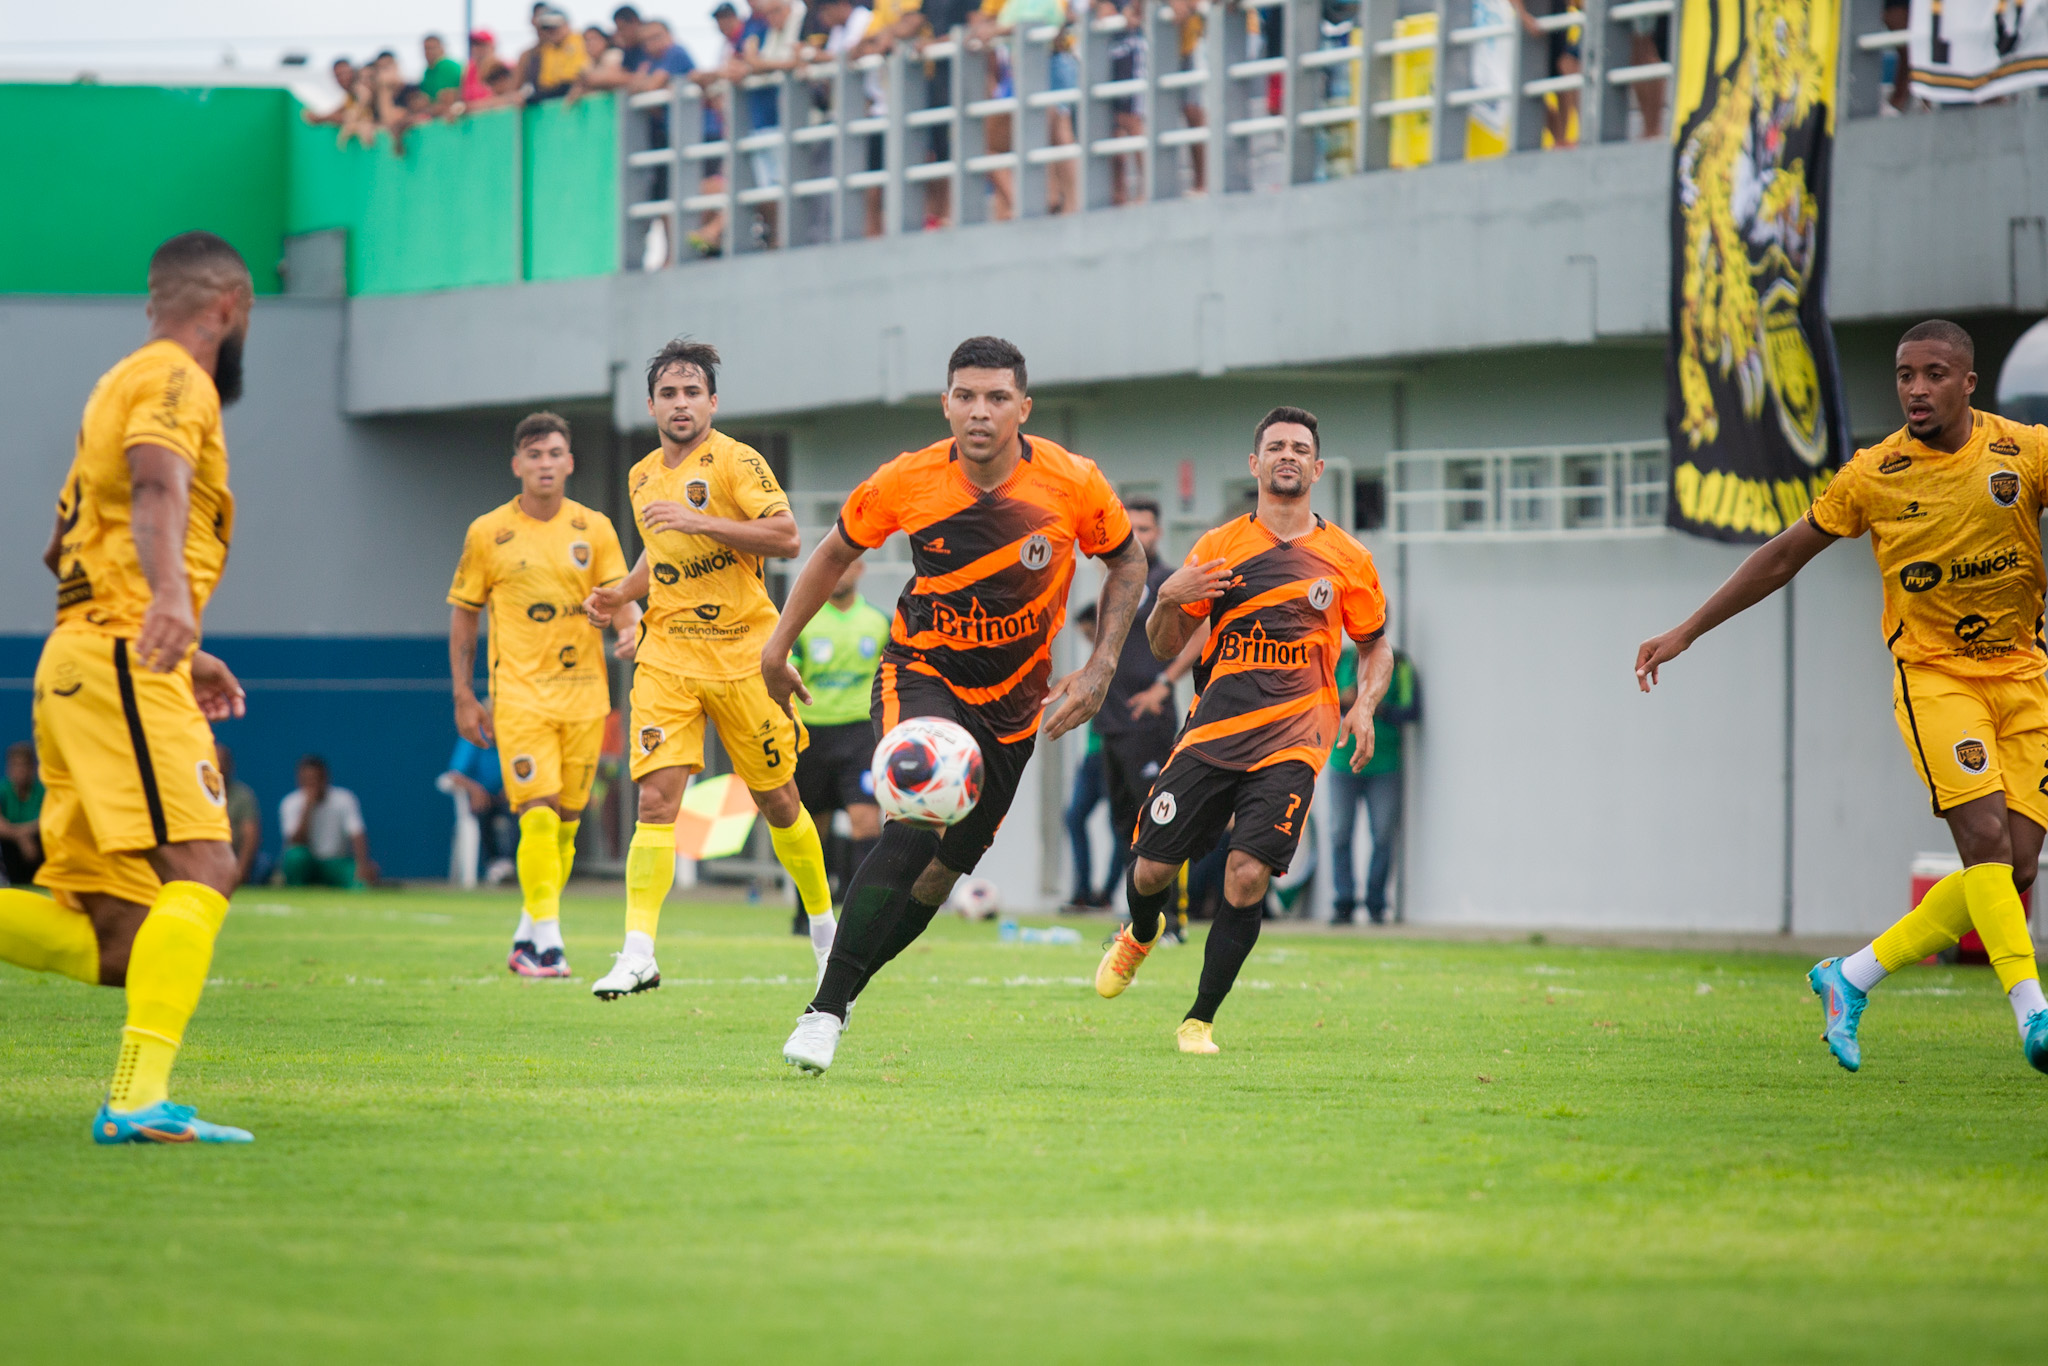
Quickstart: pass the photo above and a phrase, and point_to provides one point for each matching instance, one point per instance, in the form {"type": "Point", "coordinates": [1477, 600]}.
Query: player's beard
{"type": "Point", "coordinates": [1286, 484]}
{"type": "Point", "coordinates": [227, 369]}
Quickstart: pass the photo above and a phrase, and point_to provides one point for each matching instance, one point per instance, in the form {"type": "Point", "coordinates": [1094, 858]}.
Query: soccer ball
{"type": "Point", "coordinates": [927, 771]}
{"type": "Point", "coordinates": [976, 898]}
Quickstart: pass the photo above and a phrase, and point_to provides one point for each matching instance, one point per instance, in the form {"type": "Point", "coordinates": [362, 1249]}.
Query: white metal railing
{"type": "Point", "coordinates": [1241, 110]}
{"type": "Point", "coordinates": [1534, 491]}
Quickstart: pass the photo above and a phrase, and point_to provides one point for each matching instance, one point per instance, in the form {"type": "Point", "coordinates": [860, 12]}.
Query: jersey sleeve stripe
{"type": "Point", "coordinates": [1116, 549]}
{"type": "Point", "coordinates": [461, 601]}
{"type": "Point", "coordinates": [839, 524]}
{"type": "Point", "coordinates": [168, 440]}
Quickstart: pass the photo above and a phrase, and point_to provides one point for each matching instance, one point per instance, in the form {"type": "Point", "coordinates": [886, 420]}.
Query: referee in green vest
{"type": "Point", "coordinates": [836, 657]}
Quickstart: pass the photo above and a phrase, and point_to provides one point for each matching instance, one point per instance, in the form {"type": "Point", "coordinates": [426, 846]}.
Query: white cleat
{"type": "Point", "coordinates": [813, 1041]}
{"type": "Point", "coordinates": [630, 973]}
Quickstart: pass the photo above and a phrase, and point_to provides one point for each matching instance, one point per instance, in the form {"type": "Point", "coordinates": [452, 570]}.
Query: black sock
{"type": "Point", "coordinates": [874, 903]}
{"type": "Point", "coordinates": [1231, 937]}
{"type": "Point", "coordinates": [860, 849]}
{"type": "Point", "coordinates": [916, 918]}
{"type": "Point", "coordinates": [1146, 907]}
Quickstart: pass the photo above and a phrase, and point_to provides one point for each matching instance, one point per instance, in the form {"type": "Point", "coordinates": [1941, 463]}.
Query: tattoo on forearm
{"type": "Point", "coordinates": [1120, 598]}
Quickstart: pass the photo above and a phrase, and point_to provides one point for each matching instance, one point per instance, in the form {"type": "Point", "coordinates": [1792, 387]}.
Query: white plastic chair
{"type": "Point", "coordinates": [468, 838]}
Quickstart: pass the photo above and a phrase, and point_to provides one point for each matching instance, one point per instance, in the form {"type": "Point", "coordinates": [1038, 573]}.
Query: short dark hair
{"type": "Point", "coordinates": [189, 270]}
{"type": "Point", "coordinates": [683, 351]}
{"type": "Point", "coordinates": [1150, 505]}
{"type": "Point", "coordinates": [314, 761]}
{"type": "Point", "coordinates": [21, 749]}
{"type": "Point", "coordinates": [1299, 416]}
{"type": "Point", "coordinates": [536, 425]}
{"type": "Point", "coordinates": [625, 14]}
{"type": "Point", "coordinates": [988, 353]}
{"type": "Point", "coordinates": [1948, 334]}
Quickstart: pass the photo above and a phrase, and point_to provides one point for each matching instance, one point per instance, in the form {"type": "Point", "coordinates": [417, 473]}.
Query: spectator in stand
{"type": "Point", "coordinates": [889, 21]}
{"type": "Point", "coordinates": [481, 779]}
{"type": "Point", "coordinates": [21, 810]}
{"type": "Point", "coordinates": [325, 844]}
{"type": "Point", "coordinates": [606, 66]}
{"type": "Point", "coordinates": [550, 67]}
{"type": "Point", "coordinates": [1378, 786]}
{"type": "Point", "coordinates": [442, 80]}
{"type": "Point", "coordinates": [1126, 60]}
{"type": "Point", "coordinates": [1560, 110]}
{"type": "Point", "coordinates": [1188, 25]}
{"type": "Point", "coordinates": [1649, 42]}
{"type": "Point", "coordinates": [484, 63]}
{"type": "Point", "coordinates": [626, 22]}
{"type": "Point", "coordinates": [245, 820]}
{"type": "Point", "coordinates": [344, 76]}
{"type": "Point", "coordinates": [772, 40]}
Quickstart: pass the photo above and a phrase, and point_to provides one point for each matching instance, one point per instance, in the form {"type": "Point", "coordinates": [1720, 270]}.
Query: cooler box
{"type": "Point", "coordinates": [1929, 869]}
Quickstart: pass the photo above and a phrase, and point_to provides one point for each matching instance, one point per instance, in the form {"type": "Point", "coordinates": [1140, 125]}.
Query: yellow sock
{"type": "Point", "coordinates": [570, 825]}
{"type": "Point", "coordinates": [650, 870]}
{"type": "Point", "coordinates": [38, 934]}
{"type": "Point", "coordinates": [802, 855]}
{"type": "Point", "coordinates": [2000, 921]}
{"type": "Point", "coordinates": [166, 972]}
{"type": "Point", "coordinates": [1935, 924]}
{"type": "Point", "coordinates": [540, 863]}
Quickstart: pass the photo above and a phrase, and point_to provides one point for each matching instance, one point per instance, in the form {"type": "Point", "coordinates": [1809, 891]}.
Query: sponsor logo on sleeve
{"type": "Point", "coordinates": [579, 551]}
{"type": "Point", "coordinates": [1320, 594]}
{"type": "Point", "coordinates": [211, 783]}
{"type": "Point", "coordinates": [1919, 576]}
{"type": "Point", "coordinates": [1163, 809]}
{"type": "Point", "coordinates": [1036, 552]}
{"type": "Point", "coordinates": [1894, 463]}
{"type": "Point", "coordinates": [1972, 755]}
{"type": "Point", "coordinates": [522, 768]}
{"type": "Point", "coordinates": [651, 738]}
{"type": "Point", "coordinates": [2005, 488]}
{"type": "Point", "coordinates": [541, 611]}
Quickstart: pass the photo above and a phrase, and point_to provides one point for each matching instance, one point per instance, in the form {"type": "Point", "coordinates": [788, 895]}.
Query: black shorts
{"type": "Point", "coordinates": [899, 694]}
{"type": "Point", "coordinates": [832, 773]}
{"type": "Point", "coordinates": [1194, 800]}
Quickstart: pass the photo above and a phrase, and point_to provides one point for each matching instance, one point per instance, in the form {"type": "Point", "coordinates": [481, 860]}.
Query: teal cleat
{"type": "Point", "coordinates": [2037, 1040]}
{"type": "Point", "coordinates": [1842, 1010]}
{"type": "Point", "coordinates": [162, 1122]}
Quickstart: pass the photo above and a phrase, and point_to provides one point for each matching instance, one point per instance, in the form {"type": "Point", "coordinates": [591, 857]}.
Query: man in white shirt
{"type": "Point", "coordinates": [325, 844]}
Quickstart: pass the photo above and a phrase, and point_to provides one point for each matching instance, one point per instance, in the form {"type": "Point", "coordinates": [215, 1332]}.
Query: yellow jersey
{"type": "Point", "coordinates": [157, 396]}
{"type": "Point", "coordinates": [1958, 542]}
{"type": "Point", "coordinates": [547, 660]}
{"type": "Point", "coordinates": [708, 611]}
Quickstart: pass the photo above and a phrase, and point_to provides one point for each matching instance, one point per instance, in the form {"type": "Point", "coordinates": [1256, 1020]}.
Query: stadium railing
{"type": "Point", "coordinates": [1614, 490]}
{"type": "Point", "coordinates": [1326, 104]}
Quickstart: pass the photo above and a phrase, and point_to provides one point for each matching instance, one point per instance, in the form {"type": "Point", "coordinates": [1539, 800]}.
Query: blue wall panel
{"type": "Point", "coordinates": [376, 707]}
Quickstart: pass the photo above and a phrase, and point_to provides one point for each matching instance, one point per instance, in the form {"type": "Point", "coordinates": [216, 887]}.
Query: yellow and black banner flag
{"type": "Point", "coordinates": [1755, 407]}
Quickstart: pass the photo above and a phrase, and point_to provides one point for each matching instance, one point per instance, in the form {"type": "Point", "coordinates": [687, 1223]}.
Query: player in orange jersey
{"type": "Point", "coordinates": [1279, 589]}
{"type": "Point", "coordinates": [994, 518]}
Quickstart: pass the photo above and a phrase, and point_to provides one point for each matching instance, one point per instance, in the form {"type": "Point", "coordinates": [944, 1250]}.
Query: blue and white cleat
{"type": "Point", "coordinates": [2036, 1038]}
{"type": "Point", "coordinates": [162, 1122]}
{"type": "Point", "coordinates": [1842, 1010]}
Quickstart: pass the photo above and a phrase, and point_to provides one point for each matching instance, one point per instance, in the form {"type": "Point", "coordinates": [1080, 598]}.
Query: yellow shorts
{"type": "Point", "coordinates": [759, 737]}
{"type": "Point", "coordinates": [1970, 737]}
{"type": "Point", "coordinates": [71, 863]}
{"type": "Point", "coordinates": [127, 746]}
{"type": "Point", "coordinates": [546, 758]}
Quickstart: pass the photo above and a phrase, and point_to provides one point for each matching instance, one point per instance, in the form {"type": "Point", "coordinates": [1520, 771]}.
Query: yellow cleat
{"type": "Point", "coordinates": [1193, 1036]}
{"type": "Point", "coordinates": [1120, 964]}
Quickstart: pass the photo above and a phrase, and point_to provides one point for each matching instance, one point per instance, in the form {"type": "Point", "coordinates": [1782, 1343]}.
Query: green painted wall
{"type": "Point", "coordinates": [110, 171]}
{"type": "Point", "coordinates": [98, 176]}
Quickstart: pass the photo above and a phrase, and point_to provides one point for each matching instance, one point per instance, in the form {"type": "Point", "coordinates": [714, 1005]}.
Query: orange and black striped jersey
{"type": "Point", "coordinates": [993, 568]}
{"type": "Point", "coordinates": [1266, 683]}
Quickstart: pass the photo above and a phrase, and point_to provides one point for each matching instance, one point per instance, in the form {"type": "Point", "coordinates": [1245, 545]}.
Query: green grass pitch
{"type": "Point", "coordinates": [1409, 1151]}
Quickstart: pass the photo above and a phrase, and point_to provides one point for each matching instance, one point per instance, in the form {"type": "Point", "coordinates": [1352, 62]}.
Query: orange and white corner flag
{"type": "Point", "coordinates": [716, 817]}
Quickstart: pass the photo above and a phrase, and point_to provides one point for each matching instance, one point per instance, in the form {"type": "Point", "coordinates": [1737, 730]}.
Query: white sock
{"type": "Point", "coordinates": [823, 927]}
{"type": "Point", "coordinates": [547, 934]}
{"type": "Point", "coordinates": [524, 934]}
{"type": "Point", "coordinates": [1862, 968]}
{"type": "Point", "coordinates": [639, 945]}
{"type": "Point", "coordinates": [2026, 998]}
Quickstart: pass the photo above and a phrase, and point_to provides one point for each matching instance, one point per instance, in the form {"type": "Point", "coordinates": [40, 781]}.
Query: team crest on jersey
{"type": "Point", "coordinates": [505, 535]}
{"type": "Point", "coordinates": [867, 647]}
{"type": "Point", "coordinates": [2005, 445]}
{"type": "Point", "coordinates": [1036, 552]}
{"type": "Point", "coordinates": [1893, 463]}
{"type": "Point", "coordinates": [1972, 755]}
{"type": "Point", "coordinates": [579, 551]}
{"type": "Point", "coordinates": [541, 611]}
{"type": "Point", "coordinates": [1320, 593]}
{"type": "Point", "coordinates": [2005, 488]}
{"type": "Point", "coordinates": [522, 768]}
{"type": "Point", "coordinates": [211, 783]}
{"type": "Point", "coordinates": [698, 491]}
{"type": "Point", "coordinates": [821, 650]}
{"type": "Point", "coordinates": [1163, 809]}
{"type": "Point", "coordinates": [567, 654]}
